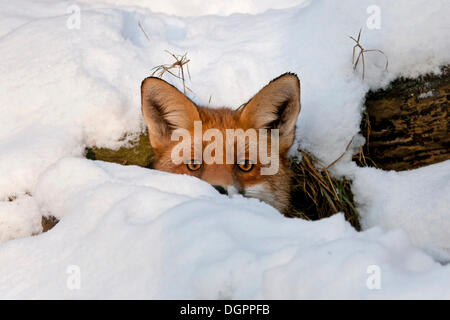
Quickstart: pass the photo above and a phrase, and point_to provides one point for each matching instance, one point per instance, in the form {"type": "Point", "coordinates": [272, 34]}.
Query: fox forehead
{"type": "Point", "coordinates": [219, 118]}
{"type": "Point", "coordinates": [228, 122]}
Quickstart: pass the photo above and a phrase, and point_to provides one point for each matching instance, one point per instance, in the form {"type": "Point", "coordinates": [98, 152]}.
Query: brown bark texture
{"type": "Point", "coordinates": [406, 125]}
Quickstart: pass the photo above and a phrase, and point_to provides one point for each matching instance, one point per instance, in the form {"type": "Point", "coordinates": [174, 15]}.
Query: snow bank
{"type": "Point", "coordinates": [417, 201]}
{"type": "Point", "coordinates": [19, 217]}
{"type": "Point", "coordinates": [130, 232]}
{"type": "Point", "coordinates": [184, 8]}
{"type": "Point", "coordinates": [65, 88]}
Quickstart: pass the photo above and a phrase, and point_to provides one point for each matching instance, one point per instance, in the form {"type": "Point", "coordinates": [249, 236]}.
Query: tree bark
{"type": "Point", "coordinates": [406, 125]}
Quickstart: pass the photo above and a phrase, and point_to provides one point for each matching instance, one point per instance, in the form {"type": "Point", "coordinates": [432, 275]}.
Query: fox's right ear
{"type": "Point", "coordinates": [165, 109]}
{"type": "Point", "coordinates": [276, 106]}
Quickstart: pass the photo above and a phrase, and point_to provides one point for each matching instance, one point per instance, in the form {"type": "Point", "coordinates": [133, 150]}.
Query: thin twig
{"type": "Point", "coordinates": [340, 157]}
{"type": "Point", "coordinates": [142, 28]}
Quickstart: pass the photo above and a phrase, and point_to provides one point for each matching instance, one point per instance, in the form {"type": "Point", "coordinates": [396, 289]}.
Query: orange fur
{"type": "Point", "coordinates": [276, 106]}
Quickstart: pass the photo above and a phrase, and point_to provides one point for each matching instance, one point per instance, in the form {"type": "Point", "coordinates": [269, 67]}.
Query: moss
{"type": "Point", "coordinates": [140, 153]}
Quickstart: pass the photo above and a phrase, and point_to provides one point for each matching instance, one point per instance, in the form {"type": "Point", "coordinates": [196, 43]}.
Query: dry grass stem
{"type": "Point", "coordinates": [143, 31]}
{"type": "Point", "coordinates": [362, 51]}
{"type": "Point", "coordinates": [181, 61]}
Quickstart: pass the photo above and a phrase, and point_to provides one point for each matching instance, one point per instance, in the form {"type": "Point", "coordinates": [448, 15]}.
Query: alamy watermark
{"type": "Point", "coordinates": [374, 20]}
{"type": "Point", "coordinates": [74, 19]}
{"type": "Point", "coordinates": [255, 146]}
{"type": "Point", "coordinates": [373, 282]}
{"type": "Point", "coordinates": [73, 281]}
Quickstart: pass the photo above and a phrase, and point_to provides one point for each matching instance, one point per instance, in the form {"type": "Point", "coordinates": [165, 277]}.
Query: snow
{"type": "Point", "coordinates": [19, 218]}
{"type": "Point", "coordinates": [426, 95]}
{"type": "Point", "coordinates": [183, 8]}
{"type": "Point", "coordinates": [156, 235]}
{"type": "Point", "coordinates": [139, 233]}
{"type": "Point", "coordinates": [419, 198]}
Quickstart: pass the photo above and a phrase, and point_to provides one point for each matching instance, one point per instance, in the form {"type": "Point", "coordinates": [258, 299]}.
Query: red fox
{"type": "Point", "coordinates": [274, 109]}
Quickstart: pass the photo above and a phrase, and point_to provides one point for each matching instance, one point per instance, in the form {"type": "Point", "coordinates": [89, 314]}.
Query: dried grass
{"type": "Point", "coordinates": [363, 158]}
{"type": "Point", "coordinates": [181, 61]}
{"type": "Point", "coordinates": [317, 195]}
{"type": "Point", "coordinates": [361, 54]}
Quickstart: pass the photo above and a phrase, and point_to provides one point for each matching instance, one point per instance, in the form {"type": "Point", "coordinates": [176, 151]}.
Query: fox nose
{"type": "Point", "coordinates": [221, 189]}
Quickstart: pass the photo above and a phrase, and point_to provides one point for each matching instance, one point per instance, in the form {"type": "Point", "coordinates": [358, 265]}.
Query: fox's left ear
{"type": "Point", "coordinates": [276, 106]}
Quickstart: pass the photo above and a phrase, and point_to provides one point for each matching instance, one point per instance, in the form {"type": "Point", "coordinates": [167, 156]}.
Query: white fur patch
{"type": "Point", "coordinates": [260, 191]}
{"type": "Point", "coordinates": [232, 190]}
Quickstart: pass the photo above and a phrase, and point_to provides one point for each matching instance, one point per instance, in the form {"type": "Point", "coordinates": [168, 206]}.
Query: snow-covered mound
{"type": "Point", "coordinates": [137, 233]}
{"type": "Point", "coordinates": [71, 72]}
{"type": "Point", "coordinates": [417, 201]}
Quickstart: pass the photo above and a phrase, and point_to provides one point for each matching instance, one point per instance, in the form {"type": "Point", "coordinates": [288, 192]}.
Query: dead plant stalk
{"type": "Point", "coordinates": [361, 54]}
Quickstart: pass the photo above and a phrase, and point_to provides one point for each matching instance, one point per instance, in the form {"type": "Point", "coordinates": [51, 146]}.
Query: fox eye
{"type": "Point", "coordinates": [194, 165]}
{"type": "Point", "coordinates": [246, 166]}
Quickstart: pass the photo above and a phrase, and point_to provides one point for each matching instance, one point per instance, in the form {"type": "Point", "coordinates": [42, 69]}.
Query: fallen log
{"type": "Point", "coordinates": [406, 125]}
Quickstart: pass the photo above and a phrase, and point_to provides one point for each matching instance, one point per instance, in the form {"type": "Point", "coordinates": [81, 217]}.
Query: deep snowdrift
{"type": "Point", "coordinates": [139, 233]}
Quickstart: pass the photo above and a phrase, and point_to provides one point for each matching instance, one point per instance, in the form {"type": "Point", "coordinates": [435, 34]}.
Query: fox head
{"type": "Point", "coordinates": [274, 109]}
